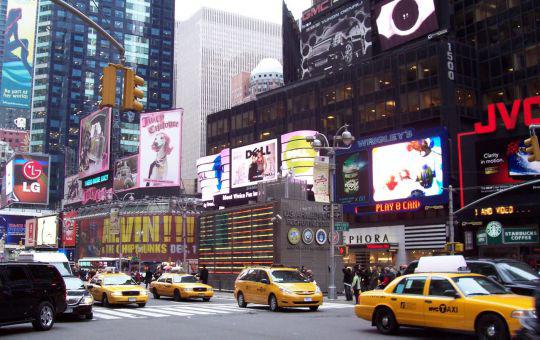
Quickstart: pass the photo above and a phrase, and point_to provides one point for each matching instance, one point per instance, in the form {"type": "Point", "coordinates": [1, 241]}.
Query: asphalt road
{"type": "Point", "coordinates": [218, 319]}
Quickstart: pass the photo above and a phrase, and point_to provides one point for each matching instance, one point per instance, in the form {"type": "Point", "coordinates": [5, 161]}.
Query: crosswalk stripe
{"type": "Point", "coordinates": [173, 312]}
{"type": "Point", "coordinates": [104, 316]}
{"type": "Point", "coordinates": [188, 310]}
{"type": "Point", "coordinates": [225, 307]}
{"type": "Point", "coordinates": [145, 313]}
{"type": "Point", "coordinates": [115, 313]}
{"type": "Point", "coordinates": [206, 309]}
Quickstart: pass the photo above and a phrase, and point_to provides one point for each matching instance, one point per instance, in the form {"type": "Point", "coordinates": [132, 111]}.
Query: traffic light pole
{"type": "Point", "coordinates": [91, 23]}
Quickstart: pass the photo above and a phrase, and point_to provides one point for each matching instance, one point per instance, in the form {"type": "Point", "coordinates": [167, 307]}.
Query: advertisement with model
{"type": "Point", "coordinates": [94, 143]}
{"type": "Point", "coordinates": [69, 228]}
{"type": "Point", "coordinates": [399, 171]}
{"type": "Point", "coordinates": [47, 231]}
{"type": "Point", "coordinates": [159, 149]}
{"type": "Point", "coordinates": [400, 21]}
{"type": "Point", "coordinates": [336, 39]}
{"type": "Point", "coordinates": [126, 173]}
{"type": "Point", "coordinates": [254, 163]}
{"type": "Point", "coordinates": [298, 155]}
{"type": "Point", "coordinates": [214, 174]}
{"type": "Point", "coordinates": [72, 190]}
{"type": "Point", "coordinates": [18, 61]}
{"type": "Point", "coordinates": [27, 179]}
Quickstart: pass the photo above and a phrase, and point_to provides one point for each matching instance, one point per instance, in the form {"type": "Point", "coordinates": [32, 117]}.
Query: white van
{"type": "Point", "coordinates": [59, 260]}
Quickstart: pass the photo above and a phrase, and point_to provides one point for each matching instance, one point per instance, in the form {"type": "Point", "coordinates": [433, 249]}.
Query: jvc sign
{"type": "Point", "coordinates": [510, 118]}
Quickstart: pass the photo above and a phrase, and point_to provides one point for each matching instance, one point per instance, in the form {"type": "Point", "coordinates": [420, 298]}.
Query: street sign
{"type": "Point", "coordinates": [341, 226]}
{"type": "Point", "coordinates": [335, 238]}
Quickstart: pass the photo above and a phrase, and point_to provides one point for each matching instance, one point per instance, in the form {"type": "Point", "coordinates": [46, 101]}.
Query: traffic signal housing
{"type": "Point", "coordinates": [533, 149]}
{"type": "Point", "coordinates": [132, 92]}
{"type": "Point", "coordinates": [107, 87]}
{"type": "Point", "coordinates": [343, 250]}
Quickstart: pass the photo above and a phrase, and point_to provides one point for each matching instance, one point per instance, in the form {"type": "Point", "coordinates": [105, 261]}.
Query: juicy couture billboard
{"type": "Point", "coordinates": [160, 237]}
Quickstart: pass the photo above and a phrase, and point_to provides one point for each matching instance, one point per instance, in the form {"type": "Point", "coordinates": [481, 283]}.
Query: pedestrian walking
{"type": "Point", "coordinates": [356, 286]}
{"type": "Point", "coordinates": [347, 282]}
{"type": "Point", "coordinates": [148, 277]}
{"type": "Point", "coordinates": [203, 274]}
{"type": "Point", "coordinates": [374, 278]}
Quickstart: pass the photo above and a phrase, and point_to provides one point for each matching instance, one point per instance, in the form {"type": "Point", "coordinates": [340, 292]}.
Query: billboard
{"type": "Point", "coordinates": [410, 169]}
{"type": "Point", "coordinates": [400, 21]}
{"type": "Point", "coordinates": [337, 39]}
{"type": "Point", "coordinates": [47, 231]}
{"type": "Point", "coordinates": [159, 235]}
{"type": "Point", "coordinates": [69, 229]}
{"type": "Point", "coordinates": [28, 179]}
{"type": "Point", "coordinates": [214, 174]}
{"type": "Point", "coordinates": [94, 143]}
{"type": "Point", "coordinates": [297, 155]}
{"type": "Point", "coordinates": [18, 61]}
{"type": "Point", "coordinates": [502, 163]}
{"type": "Point", "coordinates": [394, 172]}
{"type": "Point", "coordinates": [72, 190]}
{"type": "Point", "coordinates": [125, 173]}
{"type": "Point", "coordinates": [14, 228]}
{"type": "Point", "coordinates": [30, 232]}
{"type": "Point", "coordinates": [254, 163]}
{"type": "Point", "coordinates": [159, 149]}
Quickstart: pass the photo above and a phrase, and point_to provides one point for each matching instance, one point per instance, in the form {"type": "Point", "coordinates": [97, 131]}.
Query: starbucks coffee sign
{"type": "Point", "coordinates": [496, 234]}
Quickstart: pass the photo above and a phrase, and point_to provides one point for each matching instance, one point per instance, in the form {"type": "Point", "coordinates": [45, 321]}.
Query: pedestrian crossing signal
{"type": "Point", "coordinates": [343, 250]}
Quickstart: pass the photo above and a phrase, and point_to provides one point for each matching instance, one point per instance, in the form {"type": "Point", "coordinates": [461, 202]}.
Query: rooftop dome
{"type": "Point", "coordinates": [266, 66]}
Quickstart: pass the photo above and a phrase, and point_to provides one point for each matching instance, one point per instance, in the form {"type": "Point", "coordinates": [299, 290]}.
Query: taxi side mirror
{"type": "Point", "coordinates": [451, 293]}
{"type": "Point", "coordinates": [98, 282]}
{"type": "Point", "coordinates": [265, 281]}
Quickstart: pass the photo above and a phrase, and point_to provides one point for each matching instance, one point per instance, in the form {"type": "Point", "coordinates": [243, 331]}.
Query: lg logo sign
{"type": "Point", "coordinates": [31, 171]}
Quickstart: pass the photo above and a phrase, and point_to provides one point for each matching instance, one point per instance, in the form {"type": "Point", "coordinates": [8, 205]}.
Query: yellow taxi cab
{"type": "Point", "coordinates": [180, 286]}
{"type": "Point", "coordinates": [110, 288]}
{"type": "Point", "coordinates": [277, 287]}
{"type": "Point", "coordinates": [454, 301]}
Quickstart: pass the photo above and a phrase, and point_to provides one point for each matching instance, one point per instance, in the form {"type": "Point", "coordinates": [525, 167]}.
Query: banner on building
{"type": "Point", "coordinates": [30, 233]}
{"type": "Point", "coordinates": [321, 179]}
{"type": "Point", "coordinates": [160, 237]}
{"type": "Point", "coordinates": [115, 220]}
{"type": "Point", "coordinates": [13, 227]}
{"type": "Point", "coordinates": [214, 174]}
{"type": "Point", "coordinates": [254, 163]}
{"type": "Point", "coordinates": [27, 179]}
{"type": "Point", "coordinates": [94, 143]}
{"type": "Point", "coordinates": [73, 191]}
{"type": "Point", "coordinates": [47, 232]}
{"type": "Point", "coordinates": [160, 148]}
{"type": "Point", "coordinates": [297, 155]}
{"type": "Point", "coordinates": [18, 61]}
{"type": "Point", "coordinates": [69, 229]}
{"type": "Point", "coordinates": [125, 174]}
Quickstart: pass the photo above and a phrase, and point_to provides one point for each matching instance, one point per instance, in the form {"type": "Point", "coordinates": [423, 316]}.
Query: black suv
{"type": "Point", "coordinates": [514, 275]}
{"type": "Point", "coordinates": [31, 292]}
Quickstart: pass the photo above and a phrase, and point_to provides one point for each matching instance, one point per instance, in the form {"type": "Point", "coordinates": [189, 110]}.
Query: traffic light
{"type": "Point", "coordinates": [533, 149]}
{"type": "Point", "coordinates": [343, 250]}
{"type": "Point", "coordinates": [107, 87]}
{"type": "Point", "coordinates": [132, 93]}
{"type": "Point", "coordinates": [456, 247]}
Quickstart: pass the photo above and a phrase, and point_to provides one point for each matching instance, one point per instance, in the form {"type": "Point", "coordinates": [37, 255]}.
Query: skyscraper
{"type": "Point", "coordinates": [211, 47]}
{"type": "Point", "coordinates": [69, 61]}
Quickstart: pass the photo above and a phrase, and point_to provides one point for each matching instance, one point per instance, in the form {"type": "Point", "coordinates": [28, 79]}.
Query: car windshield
{"type": "Point", "coordinates": [288, 276]}
{"type": "Point", "coordinates": [73, 283]}
{"type": "Point", "coordinates": [185, 279]}
{"type": "Point", "coordinates": [63, 268]}
{"type": "Point", "coordinates": [518, 271]}
{"type": "Point", "coordinates": [478, 285]}
{"type": "Point", "coordinates": [118, 280]}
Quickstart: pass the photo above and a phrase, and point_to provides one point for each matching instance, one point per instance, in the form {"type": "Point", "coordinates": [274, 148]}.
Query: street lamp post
{"type": "Point", "coordinates": [320, 142]}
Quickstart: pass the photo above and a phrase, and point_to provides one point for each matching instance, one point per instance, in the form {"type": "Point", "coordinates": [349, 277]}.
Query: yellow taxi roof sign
{"type": "Point", "coordinates": [441, 264]}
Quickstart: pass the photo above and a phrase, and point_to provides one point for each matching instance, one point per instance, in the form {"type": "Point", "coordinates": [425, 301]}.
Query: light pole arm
{"type": "Point", "coordinates": [91, 23]}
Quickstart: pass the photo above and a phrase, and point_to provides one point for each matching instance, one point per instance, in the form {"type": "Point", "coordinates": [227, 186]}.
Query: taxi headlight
{"type": "Point", "coordinates": [523, 314]}
{"type": "Point", "coordinates": [188, 289]}
{"type": "Point", "coordinates": [87, 300]}
{"type": "Point", "coordinates": [285, 290]}
{"type": "Point", "coordinates": [317, 290]}
{"type": "Point", "coordinates": [144, 292]}
{"type": "Point", "coordinates": [210, 289]}
{"type": "Point", "coordinates": [116, 294]}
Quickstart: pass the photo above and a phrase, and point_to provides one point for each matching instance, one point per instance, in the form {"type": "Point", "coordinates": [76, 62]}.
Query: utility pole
{"type": "Point", "coordinates": [451, 217]}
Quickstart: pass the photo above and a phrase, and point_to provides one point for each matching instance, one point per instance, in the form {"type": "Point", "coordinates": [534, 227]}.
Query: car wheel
{"type": "Point", "coordinates": [272, 301]}
{"type": "Point", "coordinates": [491, 326]}
{"type": "Point", "coordinates": [177, 296]}
{"type": "Point", "coordinates": [385, 321]}
{"type": "Point", "coordinates": [89, 316]}
{"type": "Point", "coordinates": [105, 301]}
{"type": "Point", "coordinates": [44, 317]}
{"type": "Point", "coordinates": [206, 299]}
{"type": "Point", "coordinates": [313, 308]}
{"type": "Point", "coordinates": [155, 293]}
{"type": "Point", "coordinates": [348, 53]}
{"type": "Point", "coordinates": [141, 304]}
{"type": "Point", "coordinates": [241, 301]}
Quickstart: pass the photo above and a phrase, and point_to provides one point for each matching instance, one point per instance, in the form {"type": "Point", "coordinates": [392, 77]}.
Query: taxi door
{"type": "Point", "coordinates": [158, 285]}
{"type": "Point", "coordinates": [168, 288]}
{"type": "Point", "coordinates": [96, 289]}
{"type": "Point", "coordinates": [407, 300]}
{"type": "Point", "coordinates": [248, 285]}
{"type": "Point", "coordinates": [444, 307]}
{"type": "Point", "coordinates": [262, 288]}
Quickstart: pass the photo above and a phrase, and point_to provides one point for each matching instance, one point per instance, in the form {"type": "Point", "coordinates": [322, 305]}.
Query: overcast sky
{"type": "Point", "coordinates": [269, 10]}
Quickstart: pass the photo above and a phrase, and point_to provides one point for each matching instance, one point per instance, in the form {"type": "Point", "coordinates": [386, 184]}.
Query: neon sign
{"type": "Point", "coordinates": [409, 205]}
{"type": "Point", "coordinates": [509, 119]}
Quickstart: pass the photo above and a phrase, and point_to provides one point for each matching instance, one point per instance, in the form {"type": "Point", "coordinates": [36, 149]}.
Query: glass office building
{"type": "Point", "coordinates": [68, 65]}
